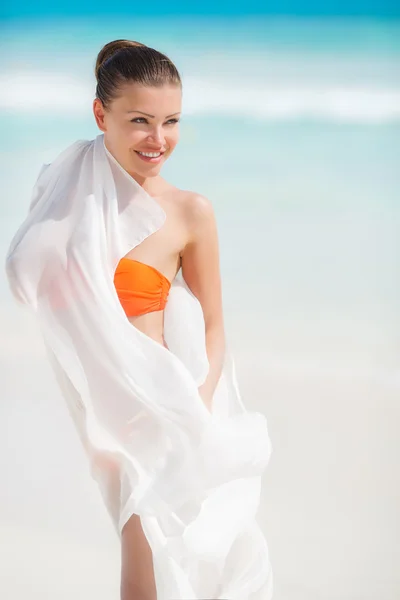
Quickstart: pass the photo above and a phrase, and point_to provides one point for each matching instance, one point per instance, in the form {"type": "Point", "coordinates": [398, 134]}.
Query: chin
{"type": "Point", "coordinates": [146, 169]}
{"type": "Point", "coordinates": [151, 171]}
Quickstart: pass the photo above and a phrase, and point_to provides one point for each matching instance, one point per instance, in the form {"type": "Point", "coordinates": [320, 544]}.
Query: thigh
{"type": "Point", "coordinates": [137, 571]}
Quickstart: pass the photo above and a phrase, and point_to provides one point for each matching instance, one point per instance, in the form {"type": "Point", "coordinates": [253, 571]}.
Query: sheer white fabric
{"type": "Point", "coordinates": [154, 448]}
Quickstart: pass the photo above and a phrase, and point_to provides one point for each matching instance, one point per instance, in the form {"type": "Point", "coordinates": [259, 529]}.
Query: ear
{"type": "Point", "coordinates": [99, 114]}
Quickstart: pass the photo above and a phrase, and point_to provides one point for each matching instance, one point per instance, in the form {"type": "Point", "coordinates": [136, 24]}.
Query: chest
{"type": "Point", "coordinates": [162, 249]}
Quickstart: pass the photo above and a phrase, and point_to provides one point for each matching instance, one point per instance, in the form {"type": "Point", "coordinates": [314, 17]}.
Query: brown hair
{"type": "Point", "coordinates": [125, 61]}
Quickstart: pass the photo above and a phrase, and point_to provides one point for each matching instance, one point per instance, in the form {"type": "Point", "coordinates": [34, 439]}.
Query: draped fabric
{"type": "Point", "coordinates": [153, 447]}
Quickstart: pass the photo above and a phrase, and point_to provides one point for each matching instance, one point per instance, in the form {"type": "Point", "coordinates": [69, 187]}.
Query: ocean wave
{"type": "Point", "coordinates": [60, 93]}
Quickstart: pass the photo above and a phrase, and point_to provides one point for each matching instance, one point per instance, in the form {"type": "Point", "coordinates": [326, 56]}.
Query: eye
{"type": "Point", "coordinates": [142, 119]}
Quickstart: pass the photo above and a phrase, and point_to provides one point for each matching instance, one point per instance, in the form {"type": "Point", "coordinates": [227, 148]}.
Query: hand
{"type": "Point", "coordinates": [206, 397]}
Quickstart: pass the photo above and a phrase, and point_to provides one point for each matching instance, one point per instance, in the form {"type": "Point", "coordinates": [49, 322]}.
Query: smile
{"type": "Point", "coordinates": [152, 157]}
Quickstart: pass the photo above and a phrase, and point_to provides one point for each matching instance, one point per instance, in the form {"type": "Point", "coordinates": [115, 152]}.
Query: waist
{"type": "Point", "coordinates": [151, 324]}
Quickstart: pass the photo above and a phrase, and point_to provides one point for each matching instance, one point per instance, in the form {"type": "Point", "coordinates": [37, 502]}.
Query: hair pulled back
{"type": "Point", "coordinates": [125, 61]}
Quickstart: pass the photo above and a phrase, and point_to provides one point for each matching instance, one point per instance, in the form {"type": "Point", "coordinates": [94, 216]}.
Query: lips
{"type": "Point", "coordinates": [149, 159]}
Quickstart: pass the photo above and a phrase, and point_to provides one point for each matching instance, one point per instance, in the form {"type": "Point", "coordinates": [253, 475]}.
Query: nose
{"type": "Point", "coordinates": [157, 135]}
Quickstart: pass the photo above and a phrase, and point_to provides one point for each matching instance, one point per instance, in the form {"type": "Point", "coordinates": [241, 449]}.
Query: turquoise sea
{"type": "Point", "coordinates": [292, 128]}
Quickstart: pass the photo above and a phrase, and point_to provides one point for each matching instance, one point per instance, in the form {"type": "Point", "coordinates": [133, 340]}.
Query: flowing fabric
{"type": "Point", "coordinates": [153, 447]}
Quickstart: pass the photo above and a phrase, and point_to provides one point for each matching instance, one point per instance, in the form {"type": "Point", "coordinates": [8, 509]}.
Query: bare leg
{"type": "Point", "coordinates": [137, 571]}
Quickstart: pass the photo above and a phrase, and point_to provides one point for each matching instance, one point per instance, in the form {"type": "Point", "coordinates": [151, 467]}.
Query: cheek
{"type": "Point", "coordinates": [119, 137]}
{"type": "Point", "coordinates": [134, 137]}
{"type": "Point", "coordinates": [173, 139]}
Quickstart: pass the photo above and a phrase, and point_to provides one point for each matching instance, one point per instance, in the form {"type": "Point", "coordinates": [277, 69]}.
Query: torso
{"type": "Point", "coordinates": [163, 250]}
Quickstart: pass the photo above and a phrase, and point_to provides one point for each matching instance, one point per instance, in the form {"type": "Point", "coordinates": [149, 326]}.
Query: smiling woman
{"type": "Point", "coordinates": [155, 135]}
{"type": "Point", "coordinates": [125, 86]}
{"type": "Point", "coordinates": [139, 348]}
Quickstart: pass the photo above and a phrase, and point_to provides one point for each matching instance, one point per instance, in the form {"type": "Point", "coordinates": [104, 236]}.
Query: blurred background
{"type": "Point", "coordinates": [291, 127]}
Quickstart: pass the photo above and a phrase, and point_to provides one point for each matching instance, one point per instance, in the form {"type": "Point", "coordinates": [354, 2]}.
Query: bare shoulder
{"type": "Point", "coordinates": [192, 203]}
{"type": "Point", "coordinates": [194, 212]}
{"type": "Point", "coordinates": [197, 204]}
{"type": "Point", "coordinates": [198, 210]}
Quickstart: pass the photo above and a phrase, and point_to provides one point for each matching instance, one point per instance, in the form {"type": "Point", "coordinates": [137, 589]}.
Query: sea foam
{"type": "Point", "coordinates": [56, 93]}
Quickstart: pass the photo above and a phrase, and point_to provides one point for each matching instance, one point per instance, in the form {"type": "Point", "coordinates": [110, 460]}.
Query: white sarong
{"type": "Point", "coordinates": [153, 447]}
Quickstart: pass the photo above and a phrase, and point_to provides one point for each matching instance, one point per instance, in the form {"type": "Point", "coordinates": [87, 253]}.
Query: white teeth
{"type": "Point", "coordinates": [150, 154]}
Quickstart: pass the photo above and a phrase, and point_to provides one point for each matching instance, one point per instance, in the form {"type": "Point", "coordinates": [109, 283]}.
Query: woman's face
{"type": "Point", "coordinates": [141, 119]}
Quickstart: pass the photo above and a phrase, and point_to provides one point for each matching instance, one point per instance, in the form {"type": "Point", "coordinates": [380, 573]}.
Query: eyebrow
{"type": "Point", "coordinates": [151, 116]}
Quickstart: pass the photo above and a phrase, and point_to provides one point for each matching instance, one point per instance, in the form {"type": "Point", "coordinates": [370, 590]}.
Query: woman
{"type": "Point", "coordinates": [138, 110]}
{"type": "Point", "coordinates": [122, 270]}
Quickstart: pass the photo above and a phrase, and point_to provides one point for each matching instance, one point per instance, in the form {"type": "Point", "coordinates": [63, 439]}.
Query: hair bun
{"type": "Point", "coordinates": [125, 62]}
{"type": "Point", "coordinates": [111, 48]}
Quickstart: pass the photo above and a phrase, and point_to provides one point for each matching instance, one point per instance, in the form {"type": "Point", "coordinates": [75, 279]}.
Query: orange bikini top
{"type": "Point", "coordinates": [141, 288]}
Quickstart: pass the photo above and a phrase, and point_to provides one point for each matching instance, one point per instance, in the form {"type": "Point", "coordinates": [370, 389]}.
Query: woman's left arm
{"type": "Point", "coordinates": [201, 271]}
